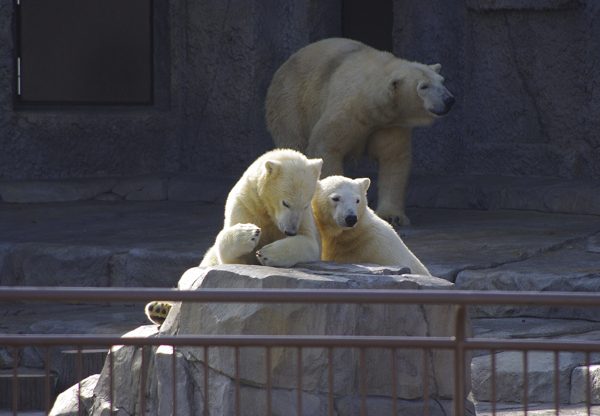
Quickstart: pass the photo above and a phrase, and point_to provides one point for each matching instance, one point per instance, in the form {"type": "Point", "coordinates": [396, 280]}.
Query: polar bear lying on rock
{"type": "Point", "coordinates": [351, 232]}
{"type": "Point", "coordinates": [338, 99]}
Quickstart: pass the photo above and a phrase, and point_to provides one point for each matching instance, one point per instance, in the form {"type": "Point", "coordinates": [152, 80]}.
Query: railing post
{"type": "Point", "coordinates": [459, 362]}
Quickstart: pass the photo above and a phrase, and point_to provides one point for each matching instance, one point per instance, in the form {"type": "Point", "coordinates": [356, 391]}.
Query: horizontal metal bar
{"type": "Point", "coordinates": [233, 341]}
{"type": "Point", "coordinates": [387, 296]}
{"type": "Point", "coordinates": [304, 341]}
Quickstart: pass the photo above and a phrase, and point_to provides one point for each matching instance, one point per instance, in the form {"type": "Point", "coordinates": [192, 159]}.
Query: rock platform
{"type": "Point", "coordinates": [531, 234]}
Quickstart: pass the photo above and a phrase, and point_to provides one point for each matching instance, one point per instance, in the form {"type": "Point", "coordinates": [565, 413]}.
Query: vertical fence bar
{"type": "Point", "coordinates": [363, 382]}
{"type": "Point", "coordinates": [143, 383]}
{"type": "Point", "coordinates": [459, 362]}
{"type": "Point", "coordinates": [525, 382]}
{"type": "Point", "coordinates": [268, 362]}
{"type": "Point", "coordinates": [300, 386]}
{"type": "Point", "coordinates": [174, 358]}
{"type": "Point", "coordinates": [425, 382]}
{"type": "Point", "coordinates": [588, 390]}
{"type": "Point", "coordinates": [206, 370]}
{"type": "Point", "coordinates": [15, 392]}
{"type": "Point", "coordinates": [556, 384]}
{"type": "Point", "coordinates": [394, 383]}
{"type": "Point", "coordinates": [238, 395]}
{"type": "Point", "coordinates": [79, 377]}
{"type": "Point", "coordinates": [493, 352]}
{"type": "Point", "coordinates": [331, 412]}
{"type": "Point", "coordinates": [47, 379]}
{"type": "Point", "coordinates": [111, 380]}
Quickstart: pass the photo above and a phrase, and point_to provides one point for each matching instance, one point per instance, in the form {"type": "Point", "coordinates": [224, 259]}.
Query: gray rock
{"type": "Point", "coordinates": [142, 188]}
{"type": "Point", "coordinates": [593, 244]}
{"type": "Point", "coordinates": [186, 188]}
{"type": "Point", "coordinates": [282, 319]}
{"type": "Point", "coordinates": [579, 384]}
{"type": "Point", "coordinates": [572, 269]}
{"type": "Point", "coordinates": [54, 191]}
{"type": "Point", "coordinates": [47, 264]}
{"type": "Point", "coordinates": [67, 402]}
{"type": "Point", "coordinates": [509, 376]}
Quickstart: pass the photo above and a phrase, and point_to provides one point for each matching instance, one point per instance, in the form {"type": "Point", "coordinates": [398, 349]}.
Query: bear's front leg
{"type": "Point", "coordinates": [392, 147]}
{"type": "Point", "coordinates": [289, 251]}
{"type": "Point", "coordinates": [236, 241]}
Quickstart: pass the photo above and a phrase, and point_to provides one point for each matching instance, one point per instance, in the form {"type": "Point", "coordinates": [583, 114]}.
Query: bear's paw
{"type": "Point", "coordinates": [158, 311]}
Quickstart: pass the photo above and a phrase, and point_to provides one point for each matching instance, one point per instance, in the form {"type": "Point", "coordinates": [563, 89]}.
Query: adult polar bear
{"type": "Point", "coordinates": [268, 214]}
{"type": "Point", "coordinates": [339, 98]}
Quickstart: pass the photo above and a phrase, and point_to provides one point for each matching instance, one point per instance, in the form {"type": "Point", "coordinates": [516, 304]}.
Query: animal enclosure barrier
{"type": "Point", "coordinates": [462, 345]}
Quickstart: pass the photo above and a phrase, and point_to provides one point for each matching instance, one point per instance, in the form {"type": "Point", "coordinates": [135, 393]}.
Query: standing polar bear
{"type": "Point", "coordinates": [351, 232]}
{"type": "Point", "coordinates": [338, 99]}
{"type": "Point", "coordinates": [268, 214]}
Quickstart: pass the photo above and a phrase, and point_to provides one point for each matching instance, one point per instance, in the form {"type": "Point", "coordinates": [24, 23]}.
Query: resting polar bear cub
{"type": "Point", "coordinates": [338, 99]}
{"type": "Point", "coordinates": [351, 232]}
{"type": "Point", "coordinates": [268, 215]}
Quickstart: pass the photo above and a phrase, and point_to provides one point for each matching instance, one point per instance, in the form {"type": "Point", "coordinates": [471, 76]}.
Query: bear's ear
{"type": "Point", "coordinates": [272, 167]}
{"type": "Point", "coordinates": [364, 183]}
{"type": "Point", "coordinates": [436, 67]}
{"type": "Point", "coordinates": [316, 164]}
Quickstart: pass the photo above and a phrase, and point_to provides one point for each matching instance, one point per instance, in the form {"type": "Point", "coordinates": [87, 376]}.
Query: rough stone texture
{"type": "Point", "coordinates": [508, 119]}
{"type": "Point", "coordinates": [282, 319]}
{"type": "Point", "coordinates": [509, 376]}
{"type": "Point", "coordinates": [67, 403]}
{"type": "Point", "coordinates": [579, 384]}
{"type": "Point", "coordinates": [573, 269]}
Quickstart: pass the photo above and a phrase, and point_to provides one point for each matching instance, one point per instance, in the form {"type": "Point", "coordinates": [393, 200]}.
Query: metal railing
{"type": "Point", "coordinates": [460, 343]}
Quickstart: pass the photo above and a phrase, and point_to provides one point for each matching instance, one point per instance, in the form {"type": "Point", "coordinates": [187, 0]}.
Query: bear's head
{"type": "Point", "coordinates": [340, 201]}
{"type": "Point", "coordinates": [287, 190]}
{"type": "Point", "coordinates": [412, 83]}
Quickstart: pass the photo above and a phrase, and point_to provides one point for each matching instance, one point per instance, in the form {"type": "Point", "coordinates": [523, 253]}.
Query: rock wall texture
{"type": "Point", "coordinates": [525, 74]}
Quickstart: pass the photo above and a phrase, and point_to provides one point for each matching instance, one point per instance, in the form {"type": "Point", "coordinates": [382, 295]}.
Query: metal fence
{"type": "Point", "coordinates": [461, 344]}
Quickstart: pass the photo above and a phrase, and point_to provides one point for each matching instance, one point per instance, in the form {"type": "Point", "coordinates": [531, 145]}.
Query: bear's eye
{"type": "Point", "coordinates": [424, 86]}
{"type": "Point", "coordinates": [358, 201]}
{"type": "Point", "coordinates": [336, 199]}
{"type": "Point", "coordinates": [285, 204]}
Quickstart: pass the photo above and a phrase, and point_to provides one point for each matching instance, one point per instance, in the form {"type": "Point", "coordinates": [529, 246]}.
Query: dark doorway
{"type": "Point", "coordinates": [92, 52]}
{"type": "Point", "coordinates": [370, 22]}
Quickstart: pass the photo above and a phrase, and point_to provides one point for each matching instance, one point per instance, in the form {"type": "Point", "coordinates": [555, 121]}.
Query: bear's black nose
{"type": "Point", "coordinates": [291, 234]}
{"type": "Point", "coordinates": [449, 102]}
{"type": "Point", "coordinates": [351, 220]}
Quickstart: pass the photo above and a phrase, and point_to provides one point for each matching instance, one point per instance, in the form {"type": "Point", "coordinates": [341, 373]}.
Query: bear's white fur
{"type": "Point", "coordinates": [338, 99]}
{"type": "Point", "coordinates": [268, 214]}
{"type": "Point", "coordinates": [351, 232]}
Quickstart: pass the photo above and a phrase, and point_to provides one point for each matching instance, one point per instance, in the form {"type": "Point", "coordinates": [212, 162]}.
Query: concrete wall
{"type": "Point", "coordinates": [214, 62]}
{"type": "Point", "coordinates": [525, 74]}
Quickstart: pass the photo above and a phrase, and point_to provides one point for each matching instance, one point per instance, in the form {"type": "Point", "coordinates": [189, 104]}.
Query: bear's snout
{"type": "Point", "coordinates": [351, 220]}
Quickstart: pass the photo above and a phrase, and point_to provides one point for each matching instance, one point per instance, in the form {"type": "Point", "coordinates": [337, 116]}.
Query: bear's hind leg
{"type": "Point", "coordinates": [392, 147]}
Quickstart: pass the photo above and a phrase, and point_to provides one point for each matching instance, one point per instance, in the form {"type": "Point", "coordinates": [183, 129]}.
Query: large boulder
{"type": "Point", "coordinates": [289, 319]}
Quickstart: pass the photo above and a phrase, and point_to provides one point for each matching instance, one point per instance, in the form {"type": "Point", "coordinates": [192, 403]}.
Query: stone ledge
{"type": "Point", "coordinates": [538, 5]}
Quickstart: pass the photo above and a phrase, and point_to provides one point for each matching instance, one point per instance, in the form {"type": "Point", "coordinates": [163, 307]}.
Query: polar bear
{"type": "Point", "coordinates": [338, 99]}
{"type": "Point", "coordinates": [268, 218]}
{"type": "Point", "coordinates": [268, 214]}
{"type": "Point", "coordinates": [351, 232]}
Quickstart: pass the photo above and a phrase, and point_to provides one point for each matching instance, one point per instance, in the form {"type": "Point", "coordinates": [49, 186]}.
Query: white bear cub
{"type": "Point", "coordinates": [351, 232]}
{"type": "Point", "coordinates": [268, 214]}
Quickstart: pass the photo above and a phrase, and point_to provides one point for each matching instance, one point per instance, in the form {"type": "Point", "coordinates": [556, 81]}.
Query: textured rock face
{"type": "Point", "coordinates": [287, 319]}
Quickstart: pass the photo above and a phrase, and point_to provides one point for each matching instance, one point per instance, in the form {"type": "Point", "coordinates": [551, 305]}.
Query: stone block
{"type": "Point", "coordinates": [142, 188]}
{"type": "Point", "coordinates": [24, 192]}
{"type": "Point", "coordinates": [579, 384]}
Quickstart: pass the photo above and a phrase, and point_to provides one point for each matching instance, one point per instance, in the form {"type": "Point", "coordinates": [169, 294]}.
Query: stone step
{"type": "Point", "coordinates": [32, 389]}
{"type": "Point", "coordinates": [510, 381]}
{"type": "Point", "coordinates": [572, 268]}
